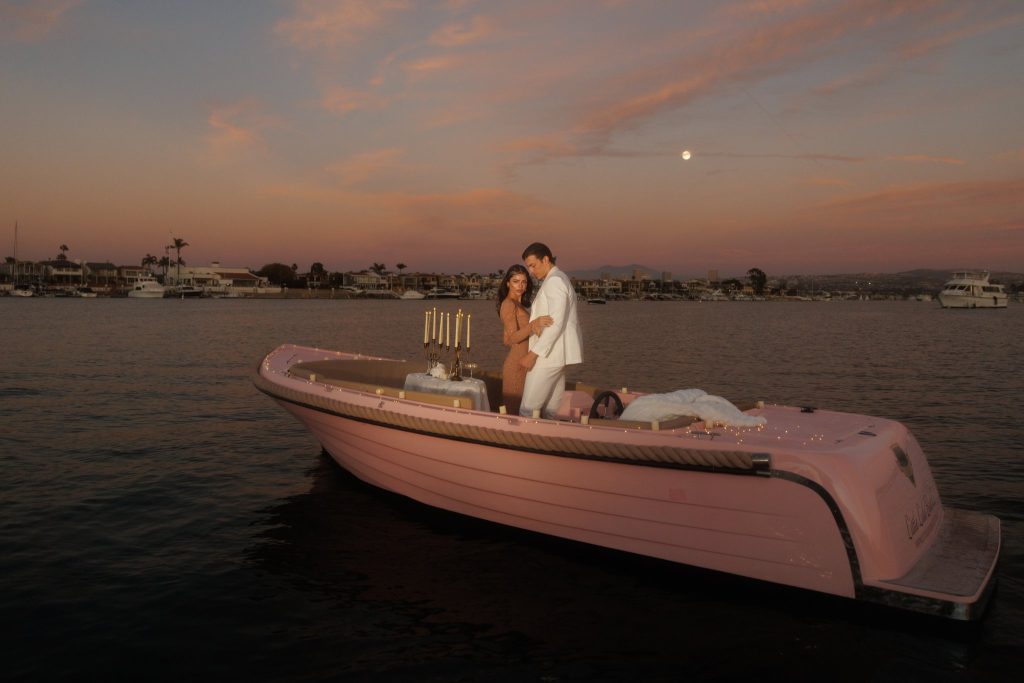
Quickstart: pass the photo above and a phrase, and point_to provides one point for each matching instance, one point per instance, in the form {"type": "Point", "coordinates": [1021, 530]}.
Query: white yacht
{"type": "Point", "coordinates": [146, 287]}
{"type": "Point", "coordinates": [971, 289]}
{"type": "Point", "coordinates": [412, 294]}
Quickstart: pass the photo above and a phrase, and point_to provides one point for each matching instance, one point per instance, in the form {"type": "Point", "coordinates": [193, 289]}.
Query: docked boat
{"type": "Point", "coordinates": [972, 289]}
{"type": "Point", "coordinates": [19, 290]}
{"type": "Point", "coordinates": [412, 294]}
{"type": "Point", "coordinates": [840, 503]}
{"type": "Point", "coordinates": [86, 293]}
{"type": "Point", "coordinates": [187, 292]}
{"type": "Point", "coordinates": [379, 294]}
{"type": "Point", "coordinates": [597, 300]}
{"type": "Point", "coordinates": [436, 293]}
{"type": "Point", "coordinates": [146, 287]}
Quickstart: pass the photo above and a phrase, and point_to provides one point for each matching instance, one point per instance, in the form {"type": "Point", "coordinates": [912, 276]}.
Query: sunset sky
{"type": "Point", "coordinates": [824, 137]}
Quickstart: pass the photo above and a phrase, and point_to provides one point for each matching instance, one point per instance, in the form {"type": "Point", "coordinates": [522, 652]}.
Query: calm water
{"type": "Point", "coordinates": [161, 519]}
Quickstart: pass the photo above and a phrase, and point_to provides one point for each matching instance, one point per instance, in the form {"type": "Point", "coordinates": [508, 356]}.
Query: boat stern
{"type": "Point", "coordinates": [909, 550]}
{"type": "Point", "coordinates": [955, 575]}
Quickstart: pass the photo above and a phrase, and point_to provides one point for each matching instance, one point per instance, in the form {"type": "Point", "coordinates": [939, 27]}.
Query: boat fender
{"type": "Point", "coordinates": [606, 397]}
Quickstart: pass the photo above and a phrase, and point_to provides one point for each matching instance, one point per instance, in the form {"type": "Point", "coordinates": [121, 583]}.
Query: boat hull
{"type": "Point", "coordinates": [863, 523]}
{"type": "Point", "coordinates": [969, 289]}
{"type": "Point", "coordinates": [958, 301]}
{"type": "Point", "coordinates": [772, 530]}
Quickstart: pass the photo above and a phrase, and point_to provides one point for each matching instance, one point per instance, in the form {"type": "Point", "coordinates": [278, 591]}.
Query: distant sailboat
{"type": "Point", "coordinates": [15, 289]}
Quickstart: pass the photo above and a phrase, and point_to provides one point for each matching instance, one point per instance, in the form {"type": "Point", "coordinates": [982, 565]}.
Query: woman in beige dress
{"type": "Point", "coordinates": [514, 296]}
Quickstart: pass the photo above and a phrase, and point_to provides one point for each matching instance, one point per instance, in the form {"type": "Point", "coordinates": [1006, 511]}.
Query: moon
{"type": "Point", "coordinates": [686, 155]}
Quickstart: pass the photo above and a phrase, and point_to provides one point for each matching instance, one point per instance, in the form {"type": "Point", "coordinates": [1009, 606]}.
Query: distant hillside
{"type": "Point", "coordinates": [928, 278]}
{"type": "Point", "coordinates": [924, 278]}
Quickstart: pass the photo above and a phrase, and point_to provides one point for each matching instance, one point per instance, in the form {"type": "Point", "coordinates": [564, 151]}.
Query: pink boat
{"type": "Point", "coordinates": [832, 502]}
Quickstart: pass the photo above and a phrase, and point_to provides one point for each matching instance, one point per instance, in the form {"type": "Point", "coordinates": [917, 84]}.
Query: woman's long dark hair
{"type": "Point", "coordinates": [503, 287]}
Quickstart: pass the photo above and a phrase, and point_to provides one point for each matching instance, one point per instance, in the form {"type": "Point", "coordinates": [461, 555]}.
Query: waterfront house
{"type": "Point", "coordinates": [63, 273]}
{"type": "Point", "coordinates": [102, 275]}
{"type": "Point", "coordinates": [127, 276]}
{"type": "Point", "coordinates": [366, 280]}
{"type": "Point", "coordinates": [216, 279]}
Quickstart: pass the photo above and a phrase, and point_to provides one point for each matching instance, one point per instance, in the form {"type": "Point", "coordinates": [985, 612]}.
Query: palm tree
{"type": "Point", "coordinates": [178, 245]}
{"type": "Point", "coordinates": [401, 267]}
{"type": "Point", "coordinates": [378, 268]}
{"type": "Point", "coordinates": [149, 260]}
{"type": "Point", "coordinates": [63, 253]}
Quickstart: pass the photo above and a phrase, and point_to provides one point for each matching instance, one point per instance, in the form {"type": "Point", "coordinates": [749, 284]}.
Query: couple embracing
{"type": "Point", "coordinates": [543, 338]}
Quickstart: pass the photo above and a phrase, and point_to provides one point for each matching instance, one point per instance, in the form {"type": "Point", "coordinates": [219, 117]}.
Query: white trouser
{"type": "Point", "coordinates": [543, 390]}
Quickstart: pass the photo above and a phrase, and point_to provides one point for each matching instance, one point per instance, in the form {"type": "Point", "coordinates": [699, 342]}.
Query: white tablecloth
{"type": "Point", "coordinates": [471, 389]}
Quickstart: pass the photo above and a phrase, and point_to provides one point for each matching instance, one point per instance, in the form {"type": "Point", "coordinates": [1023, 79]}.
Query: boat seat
{"type": "Point", "coordinates": [385, 377]}
{"type": "Point", "coordinates": [390, 392]}
{"type": "Point", "coordinates": [673, 423]}
{"type": "Point", "coordinates": [384, 373]}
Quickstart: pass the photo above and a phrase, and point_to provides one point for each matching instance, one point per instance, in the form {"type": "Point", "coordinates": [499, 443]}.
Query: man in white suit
{"type": "Point", "coordinates": [557, 346]}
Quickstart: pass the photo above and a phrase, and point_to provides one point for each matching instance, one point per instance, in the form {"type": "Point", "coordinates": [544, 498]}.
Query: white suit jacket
{"type": "Point", "coordinates": [562, 343]}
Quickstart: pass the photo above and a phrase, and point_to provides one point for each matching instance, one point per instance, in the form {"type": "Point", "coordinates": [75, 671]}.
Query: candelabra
{"type": "Point", "coordinates": [437, 339]}
{"type": "Point", "coordinates": [432, 353]}
{"type": "Point", "coordinates": [456, 373]}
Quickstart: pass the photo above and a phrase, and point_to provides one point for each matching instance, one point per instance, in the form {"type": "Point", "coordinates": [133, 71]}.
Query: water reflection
{"type": "Point", "coordinates": [161, 513]}
{"type": "Point", "coordinates": [458, 592]}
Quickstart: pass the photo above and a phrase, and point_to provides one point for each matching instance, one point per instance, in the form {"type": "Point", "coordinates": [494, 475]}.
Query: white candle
{"type": "Point", "coordinates": [433, 329]}
{"type": "Point", "coordinates": [448, 330]}
{"type": "Point", "coordinates": [426, 327]}
{"type": "Point", "coordinates": [469, 321]}
{"type": "Point", "coordinates": [458, 326]}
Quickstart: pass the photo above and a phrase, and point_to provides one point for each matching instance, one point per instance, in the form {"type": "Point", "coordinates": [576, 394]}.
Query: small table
{"type": "Point", "coordinates": [472, 389]}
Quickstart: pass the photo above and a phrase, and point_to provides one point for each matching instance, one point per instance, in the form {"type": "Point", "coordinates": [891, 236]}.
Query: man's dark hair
{"type": "Point", "coordinates": [538, 250]}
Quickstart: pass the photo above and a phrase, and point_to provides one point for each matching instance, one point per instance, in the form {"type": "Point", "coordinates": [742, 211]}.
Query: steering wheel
{"type": "Point", "coordinates": [606, 397]}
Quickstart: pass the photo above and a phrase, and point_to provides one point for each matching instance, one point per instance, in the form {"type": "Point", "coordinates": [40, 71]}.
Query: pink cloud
{"type": "Point", "coordinates": [342, 100]}
{"type": "Point", "coordinates": [926, 159]}
{"type": "Point", "coordinates": [828, 182]}
{"type": "Point", "coordinates": [463, 33]}
{"type": "Point", "coordinates": [869, 76]}
{"type": "Point", "coordinates": [431, 65]}
{"type": "Point", "coordinates": [555, 145]}
{"type": "Point", "coordinates": [1012, 155]}
{"type": "Point", "coordinates": [935, 195]}
{"type": "Point", "coordinates": [361, 167]}
{"type": "Point", "coordinates": [755, 7]}
{"type": "Point", "coordinates": [933, 43]}
{"type": "Point", "coordinates": [748, 54]}
{"type": "Point", "coordinates": [29, 21]}
{"type": "Point", "coordinates": [318, 24]}
{"type": "Point", "coordinates": [456, 5]}
{"type": "Point", "coordinates": [237, 127]}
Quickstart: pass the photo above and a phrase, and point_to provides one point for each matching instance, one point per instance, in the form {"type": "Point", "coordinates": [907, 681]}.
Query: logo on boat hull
{"type": "Point", "coordinates": [903, 462]}
{"type": "Point", "coordinates": [919, 515]}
